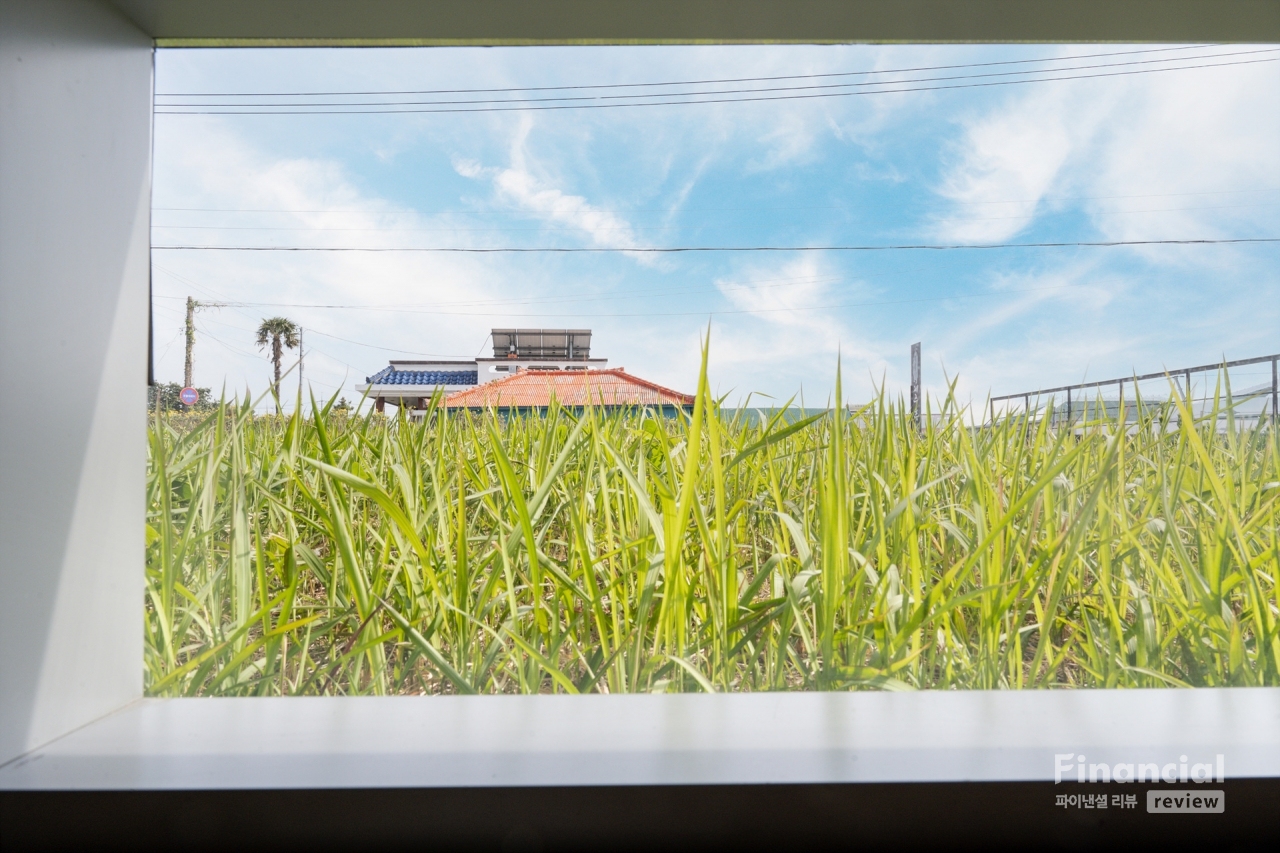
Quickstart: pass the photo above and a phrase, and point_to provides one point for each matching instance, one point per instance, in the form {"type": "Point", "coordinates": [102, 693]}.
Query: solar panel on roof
{"type": "Point", "coordinates": [542, 343]}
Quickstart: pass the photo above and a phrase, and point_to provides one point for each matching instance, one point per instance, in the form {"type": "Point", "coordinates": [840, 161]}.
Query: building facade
{"type": "Point", "coordinates": [411, 384]}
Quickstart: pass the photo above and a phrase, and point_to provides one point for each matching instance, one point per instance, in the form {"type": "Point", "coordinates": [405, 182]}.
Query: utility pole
{"type": "Point", "coordinates": [188, 379]}
{"type": "Point", "coordinates": [915, 383]}
{"type": "Point", "coordinates": [301, 354]}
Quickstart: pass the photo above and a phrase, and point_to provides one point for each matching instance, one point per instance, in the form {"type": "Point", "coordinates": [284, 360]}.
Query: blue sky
{"type": "Point", "coordinates": [1171, 155]}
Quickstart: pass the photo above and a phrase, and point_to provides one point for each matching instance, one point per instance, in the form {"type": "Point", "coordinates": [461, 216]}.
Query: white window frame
{"type": "Point", "coordinates": [75, 172]}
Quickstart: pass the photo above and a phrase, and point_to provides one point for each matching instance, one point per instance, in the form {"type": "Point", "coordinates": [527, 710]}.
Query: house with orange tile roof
{"type": "Point", "coordinates": [531, 391]}
{"type": "Point", "coordinates": [529, 368]}
{"type": "Point", "coordinates": [409, 384]}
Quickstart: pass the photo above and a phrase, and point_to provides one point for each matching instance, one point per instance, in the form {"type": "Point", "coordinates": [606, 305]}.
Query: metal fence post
{"type": "Point", "coordinates": [1058, 413]}
{"type": "Point", "coordinates": [1274, 391]}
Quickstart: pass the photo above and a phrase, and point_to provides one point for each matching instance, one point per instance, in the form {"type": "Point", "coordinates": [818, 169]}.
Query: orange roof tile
{"type": "Point", "coordinates": [535, 388]}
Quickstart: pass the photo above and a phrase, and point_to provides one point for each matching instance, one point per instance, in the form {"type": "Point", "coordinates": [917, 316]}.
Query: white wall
{"type": "Point", "coordinates": [492, 369]}
{"type": "Point", "coordinates": [75, 171]}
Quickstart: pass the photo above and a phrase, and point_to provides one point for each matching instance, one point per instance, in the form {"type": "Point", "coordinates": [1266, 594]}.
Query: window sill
{"type": "Point", "coordinates": [445, 742]}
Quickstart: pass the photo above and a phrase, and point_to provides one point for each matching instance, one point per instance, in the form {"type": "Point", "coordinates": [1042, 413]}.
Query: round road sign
{"type": "Point", "coordinates": [189, 396]}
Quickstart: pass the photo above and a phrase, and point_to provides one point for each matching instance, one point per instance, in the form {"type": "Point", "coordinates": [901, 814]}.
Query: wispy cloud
{"type": "Point", "coordinates": [520, 187]}
{"type": "Point", "coordinates": [793, 337]}
{"type": "Point", "coordinates": [1006, 161]}
{"type": "Point", "coordinates": [1144, 157]}
{"type": "Point", "coordinates": [1187, 155]}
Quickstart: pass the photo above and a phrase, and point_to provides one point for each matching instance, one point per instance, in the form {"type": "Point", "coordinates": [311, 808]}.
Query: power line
{"type": "Point", "coordinates": [681, 82]}
{"type": "Point", "coordinates": [258, 355]}
{"type": "Point", "coordinates": [717, 312]}
{"type": "Point", "coordinates": [691, 249]}
{"type": "Point", "coordinates": [235, 306]}
{"type": "Point", "coordinates": [637, 293]}
{"type": "Point", "coordinates": [509, 106]}
{"type": "Point", "coordinates": [752, 208]}
{"type": "Point", "coordinates": [634, 226]}
{"type": "Point", "coordinates": [1024, 215]}
{"type": "Point", "coordinates": [786, 309]}
{"type": "Point", "coordinates": [389, 349]}
{"type": "Point", "coordinates": [755, 90]}
{"type": "Point", "coordinates": [1109, 197]}
{"type": "Point", "coordinates": [743, 91]}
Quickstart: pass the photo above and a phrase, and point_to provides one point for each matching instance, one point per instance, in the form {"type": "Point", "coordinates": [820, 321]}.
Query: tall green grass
{"type": "Point", "coordinates": [622, 551]}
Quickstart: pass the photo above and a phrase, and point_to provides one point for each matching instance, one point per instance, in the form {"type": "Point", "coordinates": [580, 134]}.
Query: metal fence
{"type": "Point", "coordinates": [1070, 403]}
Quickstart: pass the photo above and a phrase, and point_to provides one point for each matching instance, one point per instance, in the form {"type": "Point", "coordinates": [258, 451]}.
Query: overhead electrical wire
{"type": "Point", "coordinates": [753, 208]}
{"type": "Point", "coordinates": [634, 226]}
{"type": "Point", "coordinates": [310, 331]}
{"type": "Point", "coordinates": [235, 306]}
{"type": "Point", "coordinates": [688, 82]}
{"type": "Point", "coordinates": [703, 313]}
{"type": "Point", "coordinates": [700, 97]}
{"type": "Point", "coordinates": [387, 349]}
{"type": "Point", "coordinates": [795, 92]}
{"type": "Point", "coordinates": [692, 249]}
{"type": "Point", "coordinates": [756, 90]}
{"type": "Point", "coordinates": [715, 312]}
{"type": "Point", "coordinates": [724, 288]}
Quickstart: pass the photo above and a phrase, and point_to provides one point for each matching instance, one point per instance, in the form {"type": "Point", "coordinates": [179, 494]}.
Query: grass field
{"type": "Point", "coordinates": [619, 551]}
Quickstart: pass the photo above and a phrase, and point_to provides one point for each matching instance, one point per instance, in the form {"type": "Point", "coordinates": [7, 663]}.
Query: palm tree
{"type": "Point", "coordinates": [280, 332]}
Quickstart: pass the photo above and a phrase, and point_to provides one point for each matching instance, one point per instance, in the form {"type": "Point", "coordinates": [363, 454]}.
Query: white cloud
{"type": "Point", "coordinates": [1132, 152]}
{"type": "Point", "coordinates": [1080, 290]}
{"type": "Point", "coordinates": [518, 186]}
{"type": "Point", "coordinates": [297, 201]}
{"type": "Point", "coordinates": [1007, 160]}
{"type": "Point", "coordinates": [789, 142]}
{"type": "Point", "coordinates": [792, 337]}
{"type": "Point", "coordinates": [1195, 154]}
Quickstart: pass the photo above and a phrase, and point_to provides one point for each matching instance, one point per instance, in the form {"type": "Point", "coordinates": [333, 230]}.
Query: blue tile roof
{"type": "Point", "coordinates": [391, 376]}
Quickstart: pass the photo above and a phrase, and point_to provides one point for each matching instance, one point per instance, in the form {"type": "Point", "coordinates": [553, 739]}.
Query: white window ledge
{"type": "Point", "coordinates": [159, 744]}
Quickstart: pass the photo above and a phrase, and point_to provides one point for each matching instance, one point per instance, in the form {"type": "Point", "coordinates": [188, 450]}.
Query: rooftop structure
{"type": "Point", "coordinates": [410, 384]}
{"type": "Point", "coordinates": [534, 390]}
{"type": "Point", "coordinates": [542, 343]}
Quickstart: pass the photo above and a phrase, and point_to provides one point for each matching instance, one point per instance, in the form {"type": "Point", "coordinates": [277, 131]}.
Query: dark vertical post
{"type": "Point", "coordinates": [1026, 405]}
{"type": "Point", "coordinates": [1190, 403]}
{"type": "Point", "coordinates": [915, 383]}
{"type": "Point", "coordinates": [1068, 407]}
{"type": "Point", "coordinates": [1275, 391]}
